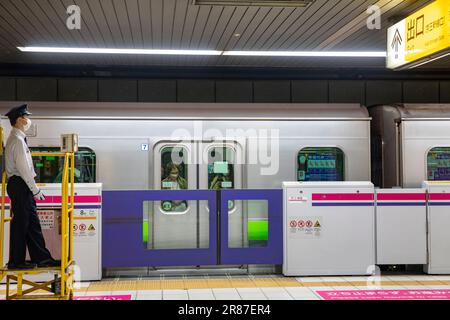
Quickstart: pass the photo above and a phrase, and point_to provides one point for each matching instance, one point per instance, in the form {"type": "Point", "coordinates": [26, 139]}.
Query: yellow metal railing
{"type": "Point", "coordinates": [67, 220]}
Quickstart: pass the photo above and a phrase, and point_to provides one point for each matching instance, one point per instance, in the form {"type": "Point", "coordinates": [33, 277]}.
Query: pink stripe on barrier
{"type": "Point", "coordinates": [401, 196]}
{"type": "Point", "coordinates": [57, 199]}
{"type": "Point", "coordinates": [443, 294]}
{"type": "Point", "coordinates": [439, 196]}
{"type": "Point", "coordinates": [105, 298]}
{"type": "Point", "coordinates": [341, 196]}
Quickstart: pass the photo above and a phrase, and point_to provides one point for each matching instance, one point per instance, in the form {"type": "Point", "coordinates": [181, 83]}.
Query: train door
{"type": "Point", "coordinates": [220, 167]}
{"type": "Point", "coordinates": [174, 224]}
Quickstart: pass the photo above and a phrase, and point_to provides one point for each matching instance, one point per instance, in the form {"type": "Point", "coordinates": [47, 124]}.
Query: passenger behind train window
{"type": "Point", "coordinates": [221, 160]}
{"type": "Point", "coordinates": [49, 169]}
{"type": "Point", "coordinates": [172, 180]}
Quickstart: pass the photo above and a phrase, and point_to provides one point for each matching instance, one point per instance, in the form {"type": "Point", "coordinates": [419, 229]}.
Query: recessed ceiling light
{"type": "Point", "coordinates": [355, 54]}
{"type": "Point", "coordinates": [361, 54]}
{"type": "Point", "coordinates": [120, 51]}
{"type": "Point", "coordinates": [254, 3]}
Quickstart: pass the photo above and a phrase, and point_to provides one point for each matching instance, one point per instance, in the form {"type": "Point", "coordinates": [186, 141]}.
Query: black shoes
{"type": "Point", "coordinates": [21, 266]}
{"type": "Point", "coordinates": [49, 263]}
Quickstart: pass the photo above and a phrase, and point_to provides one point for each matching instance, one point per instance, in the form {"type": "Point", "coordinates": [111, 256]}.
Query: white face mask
{"type": "Point", "coordinates": [174, 176]}
{"type": "Point", "coordinates": [27, 125]}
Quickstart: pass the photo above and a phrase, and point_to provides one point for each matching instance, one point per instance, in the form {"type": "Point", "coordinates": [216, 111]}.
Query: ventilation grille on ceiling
{"type": "Point", "coordinates": [255, 3]}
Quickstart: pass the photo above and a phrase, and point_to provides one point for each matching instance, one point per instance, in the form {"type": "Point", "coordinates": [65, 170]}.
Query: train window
{"type": "Point", "coordinates": [221, 162]}
{"type": "Point", "coordinates": [174, 176]}
{"type": "Point", "coordinates": [49, 169]}
{"type": "Point", "coordinates": [320, 164]}
{"type": "Point", "coordinates": [438, 164]}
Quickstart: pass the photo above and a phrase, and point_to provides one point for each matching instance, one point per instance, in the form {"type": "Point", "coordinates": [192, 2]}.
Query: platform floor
{"type": "Point", "coordinates": [273, 287]}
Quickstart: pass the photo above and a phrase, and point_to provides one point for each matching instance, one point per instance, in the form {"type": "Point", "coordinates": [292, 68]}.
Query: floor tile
{"type": "Point", "coordinates": [282, 297]}
{"type": "Point", "coordinates": [201, 294]}
{"type": "Point", "coordinates": [399, 278]}
{"type": "Point", "coordinates": [208, 297]}
{"type": "Point", "coordinates": [333, 279]}
{"type": "Point", "coordinates": [248, 290]}
{"type": "Point", "coordinates": [200, 291]}
{"type": "Point", "coordinates": [227, 297]}
{"type": "Point", "coordinates": [323, 288]}
{"type": "Point", "coordinates": [276, 294]}
{"type": "Point", "coordinates": [254, 297]}
{"type": "Point", "coordinates": [224, 290]}
{"type": "Point", "coordinates": [175, 295]}
{"type": "Point", "coordinates": [357, 278]}
{"type": "Point", "coordinates": [298, 290]}
{"type": "Point", "coordinates": [309, 279]}
{"type": "Point", "coordinates": [422, 277]}
{"type": "Point", "coordinates": [251, 294]}
{"type": "Point", "coordinates": [226, 294]}
{"type": "Point", "coordinates": [149, 295]}
{"type": "Point", "coordinates": [446, 278]}
{"type": "Point", "coordinates": [297, 294]}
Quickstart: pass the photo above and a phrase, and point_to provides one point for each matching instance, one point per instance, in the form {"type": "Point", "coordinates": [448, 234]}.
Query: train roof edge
{"type": "Point", "coordinates": [411, 111]}
{"type": "Point", "coordinates": [194, 110]}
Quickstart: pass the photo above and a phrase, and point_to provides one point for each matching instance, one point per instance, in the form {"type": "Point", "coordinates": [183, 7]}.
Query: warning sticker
{"type": "Point", "coordinates": [47, 219]}
{"type": "Point", "coordinates": [85, 232]}
{"type": "Point", "coordinates": [305, 227]}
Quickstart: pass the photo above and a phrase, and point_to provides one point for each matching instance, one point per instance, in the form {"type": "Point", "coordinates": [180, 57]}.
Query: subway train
{"type": "Point", "coordinates": [140, 146]}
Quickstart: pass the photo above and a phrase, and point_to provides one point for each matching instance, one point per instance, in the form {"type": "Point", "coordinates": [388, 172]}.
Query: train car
{"type": "Point", "coordinates": [141, 146]}
{"type": "Point", "coordinates": [410, 144]}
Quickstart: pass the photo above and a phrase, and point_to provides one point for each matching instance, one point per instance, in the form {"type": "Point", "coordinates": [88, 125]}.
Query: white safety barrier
{"type": "Point", "coordinates": [329, 228]}
{"type": "Point", "coordinates": [438, 217]}
{"type": "Point", "coordinates": [401, 229]}
{"type": "Point", "coordinates": [347, 228]}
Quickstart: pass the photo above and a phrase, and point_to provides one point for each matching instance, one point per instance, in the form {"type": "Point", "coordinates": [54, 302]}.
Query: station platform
{"type": "Point", "coordinates": [268, 287]}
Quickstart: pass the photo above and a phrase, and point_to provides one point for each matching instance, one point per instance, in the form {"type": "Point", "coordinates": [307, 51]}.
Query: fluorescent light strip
{"type": "Point", "coordinates": [120, 51]}
{"type": "Point", "coordinates": [349, 54]}
{"type": "Point", "coordinates": [361, 54]}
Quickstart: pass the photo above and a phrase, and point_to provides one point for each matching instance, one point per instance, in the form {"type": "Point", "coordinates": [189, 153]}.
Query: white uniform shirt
{"type": "Point", "coordinates": [18, 161]}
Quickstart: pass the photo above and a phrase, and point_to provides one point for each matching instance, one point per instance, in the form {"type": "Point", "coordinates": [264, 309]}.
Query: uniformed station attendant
{"type": "Point", "coordinates": [22, 189]}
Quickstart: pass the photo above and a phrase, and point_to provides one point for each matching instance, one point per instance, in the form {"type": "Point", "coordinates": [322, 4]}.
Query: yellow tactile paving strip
{"type": "Point", "coordinates": [184, 283]}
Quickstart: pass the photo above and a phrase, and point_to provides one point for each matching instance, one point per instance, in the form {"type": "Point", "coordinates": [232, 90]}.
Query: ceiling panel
{"type": "Point", "coordinates": [177, 24]}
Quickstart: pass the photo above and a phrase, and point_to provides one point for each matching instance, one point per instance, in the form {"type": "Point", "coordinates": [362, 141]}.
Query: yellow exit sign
{"type": "Point", "coordinates": [421, 35]}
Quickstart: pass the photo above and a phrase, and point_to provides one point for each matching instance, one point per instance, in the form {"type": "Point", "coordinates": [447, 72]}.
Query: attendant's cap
{"type": "Point", "coordinates": [17, 112]}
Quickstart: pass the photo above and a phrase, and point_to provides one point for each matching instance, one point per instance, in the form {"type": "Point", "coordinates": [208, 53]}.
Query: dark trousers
{"type": "Point", "coordinates": [26, 229]}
